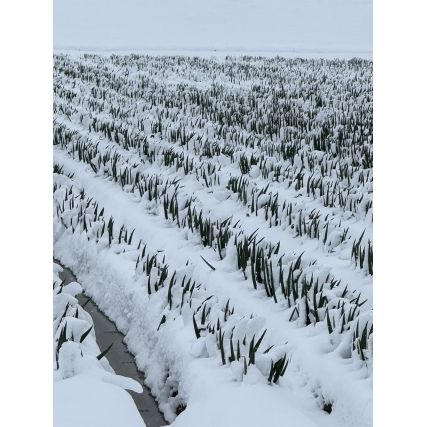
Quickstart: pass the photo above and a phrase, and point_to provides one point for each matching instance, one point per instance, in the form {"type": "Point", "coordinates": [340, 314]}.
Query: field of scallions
{"type": "Point", "coordinates": [220, 212]}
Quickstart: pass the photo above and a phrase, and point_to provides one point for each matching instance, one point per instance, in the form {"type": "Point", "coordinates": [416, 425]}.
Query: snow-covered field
{"type": "Point", "coordinates": [220, 212]}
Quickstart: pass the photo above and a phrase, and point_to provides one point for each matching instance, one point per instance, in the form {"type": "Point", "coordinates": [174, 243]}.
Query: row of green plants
{"type": "Point", "coordinates": [291, 280]}
{"type": "Point", "coordinates": [275, 215]}
{"type": "Point", "coordinates": [186, 129]}
{"type": "Point", "coordinates": [179, 120]}
{"type": "Point", "coordinates": [154, 274]}
{"type": "Point", "coordinates": [62, 332]}
{"type": "Point", "coordinates": [241, 190]}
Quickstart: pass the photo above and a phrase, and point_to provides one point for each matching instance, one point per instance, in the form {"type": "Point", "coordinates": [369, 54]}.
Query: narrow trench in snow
{"type": "Point", "coordinates": [119, 357]}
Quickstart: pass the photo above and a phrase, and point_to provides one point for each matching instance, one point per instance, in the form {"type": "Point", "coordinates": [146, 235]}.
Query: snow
{"type": "Point", "coordinates": [169, 350]}
{"type": "Point", "coordinates": [183, 365]}
{"type": "Point", "coordinates": [303, 27]}
{"type": "Point", "coordinates": [254, 406]}
{"type": "Point", "coordinates": [86, 390]}
{"type": "Point", "coordinates": [87, 402]}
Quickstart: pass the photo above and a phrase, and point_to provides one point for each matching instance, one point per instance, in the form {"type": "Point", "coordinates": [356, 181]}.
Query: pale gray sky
{"type": "Point", "coordinates": [214, 24]}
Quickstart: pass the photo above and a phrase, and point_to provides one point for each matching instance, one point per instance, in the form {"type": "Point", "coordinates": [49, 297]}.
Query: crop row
{"type": "Point", "coordinates": [292, 281]}
{"type": "Point", "coordinates": [80, 214]}
{"type": "Point", "coordinates": [341, 158]}
{"type": "Point", "coordinates": [128, 173]}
